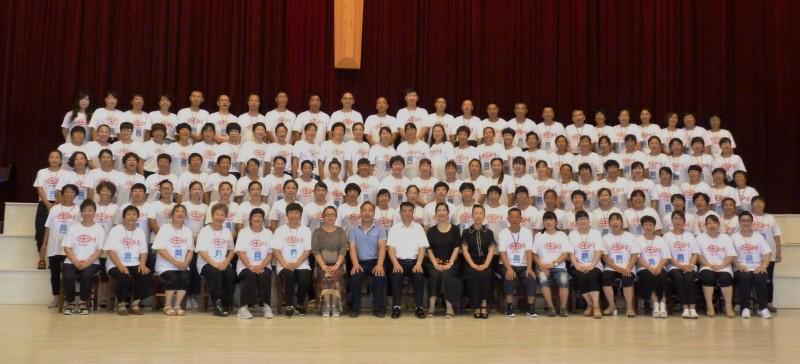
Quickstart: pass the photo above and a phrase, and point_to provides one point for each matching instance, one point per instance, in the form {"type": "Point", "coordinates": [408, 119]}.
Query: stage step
{"type": "Point", "coordinates": [19, 218]}
{"type": "Point", "coordinates": [25, 286]}
{"type": "Point", "coordinates": [790, 227]}
{"type": "Point", "coordinates": [18, 252]}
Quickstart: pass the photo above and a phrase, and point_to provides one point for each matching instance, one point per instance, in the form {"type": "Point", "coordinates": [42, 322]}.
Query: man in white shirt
{"type": "Point", "coordinates": [515, 246]}
{"type": "Point", "coordinates": [194, 115]}
{"type": "Point", "coordinates": [407, 242]}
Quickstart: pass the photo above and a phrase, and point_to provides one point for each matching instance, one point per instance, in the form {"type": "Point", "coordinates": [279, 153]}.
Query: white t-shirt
{"type": "Point", "coordinates": [176, 242]}
{"type": "Point", "coordinates": [305, 190]}
{"type": "Point", "coordinates": [141, 123]}
{"type": "Point", "coordinates": [620, 248]}
{"type": "Point", "coordinates": [233, 150]}
{"type": "Point", "coordinates": [496, 218]}
{"type": "Point", "coordinates": [280, 150]}
{"type": "Point", "coordinates": [592, 159]}
{"type": "Point", "coordinates": [195, 119]}
{"type": "Point", "coordinates": [462, 157]}
{"type": "Point", "coordinates": [69, 123]}
{"type": "Point", "coordinates": [715, 136]}
{"type": "Point", "coordinates": [152, 183]}
{"type": "Point", "coordinates": [292, 242]}
{"type": "Point", "coordinates": [320, 119]}
{"type": "Point", "coordinates": [680, 168]}
{"type": "Point", "coordinates": [689, 190]}
{"type": "Point", "coordinates": [84, 183]}
{"type": "Point", "coordinates": [430, 213]}
{"type": "Point", "coordinates": [221, 122]}
{"type": "Point", "coordinates": [105, 215]}
{"type": "Point", "coordinates": [498, 126]}
{"type": "Point", "coordinates": [124, 184]}
{"type": "Point", "coordinates": [59, 220]}
{"type": "Point", "coordinates": [275, 117]}
{"type": "Point", "coordinates": [348, 216]}
{"type": "Point", "coordinates": [474, 124]}
{"type": "Point", "coordinates": [335, 191]}
{"type": "Point", "coordinates": [521, 130]}
{"type": "Point", "coordinates": [663, 195]}
{"type": "Point", "coordinates": [750, 250]}
{"type": "Point", "coordinates": [169, 121]}
{"type": "Point", "coordinates": [600, 219]}
{"type": "Point", "coordinates": [275, 184]}
{"type": "Point", "coordinates": [209, 152]}
{"type": "Point", "coordinates": [159, 211]}
{"type": "Point", "coordinates": [516, 245]}
{"type": "Point", "coordinates": [244, 210]}
{"type": "Point", "coordinates": [620, 132]}
{"type": "Point", "coordinates": [488, 152]}
{"type": "Point", "coordinates": [48, 181]}
{"type": "Point", "coordinates": [413, 153]}
{"type": "Point", "coordinates": [214, 180]}
{"type": "Point", "coordinates": [416, 117]}
{"type": "Point", "coordinates": [215, 243]}
{"type": "Point", "coordinates": [397, 189]}
{"type": "Point", "coordinates": [253, 150]}
{"type": "Point", "coordinates": [256, 245]}
{"type": "Point", "coordinates": [305, 151]}
{"type": "Point", "coordinates": [548, 135]}
{"type": "Point", "coordinates": [715, 250]}
{"type": "Point", "coordinates": [385, 218]}
{"type": "Point", "coordinates": [374, 124]}
{"type": "Point", "coordinates": [767, 226]}
{"type": "Point", "coordinates": [67, 150]}
{"type": "Point", "coordinates": [729, 164]}
{"type": "Point", "coordinates": [407, 239]}
{"type": "Point", "coordinates": [681, 247]}
{"type": "Point", "coordinates": [633, 218]}
{"type": "Point", "coordinates": [195, 216]}
{"type": "Point", "coordinates": [380, 156]}
{"type": "Point", "coordinates": [585, 245]}
{"type": "Point", "coordinates": [648, 132]}
{"type": "Point", "coordinates": [355, 151]}
{"type": "Point", "coordinates": [312, 214]}
{"type": "Point", "coordinates": [653, 164]}
{"type": "Point", "coordinates": [548, 247]}
{"type": "Point", "coordinates": [330, 151]}
{"type": "Point", "coordinates": [180, 157]}
{"type": "Point", "coordinates": [653, 251]}
{"type": "Point", "coordinates": [103, 116]}
{"type": "Point", "coordinates": [246, 121]}
{"type": "Point", "coordinates": [186, 179]}
{"type": "Point", "coordinates": [348, 119]}
{"type": "Point", "coordinates": [150, 152]}
{"type": "Point", "coordinates": [128, 245]}
{"type": "Point", "coordinates": [84, 241]}
{"type": "Point", "coordinates": [618, 188]}
{"type": "Point", "coordinates": [230, 220]}
{"type": "Point", "coordinates": [143, 221]}
{"type": "Point", "coordinates": [242, 188]}
{"type": "Point", "coordinates": [369, 187]}
{"type": "Point", "coordinates": [560, 216]}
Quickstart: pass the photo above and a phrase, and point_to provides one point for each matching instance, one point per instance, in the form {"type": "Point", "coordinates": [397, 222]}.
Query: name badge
{"type": "Point", "coordinates": [668, 207]}
{"type": "Point", "coordinates": [82, 193]}
{"type": "Point", "coordinates": [653, 175]}
{"type": "Point", "coordinates": [676, 177]}
{"type": "Point", "coordinates": [111, 130]}
{"type": "Point", "coordinates": [627, 170]}
{"type": "Point", "coordinates": [62, 228]}
{"type": "Point", "coordinates": [486, 165]}
{"type": "Point", "coordinates": [690, 203]}
{"type": "Point", "coordinates": [257, 255]}
{"type": "Point", "coordinates": [401, 198]}
{"type": "Point", "coordinates": [336, 202]}
{"type": "Point", "coordinates": [618, 258]}
{"type": "Point", "coordinates": [615, 200]}
{"type": "Point", "coordinates": [547, 145]}
{"type": "Point", "coordinates": [218, 254]}
{"type": "Point", "coordinates": [651, 261]}
{"type": "Point", "coordinates": [719, 209]}
{"type": "Point", "coordinates": [410, 160]}
{"type": "Point", "coordinates": [521, 142]}
{"type": "Point", "coordinates": [748, 258]}
{"type": "Point", "coordinates": [539, 200]}
{"type": "Point", "coordinates": [194, 129]}
{"type": "Point", "coordinates": [450, 200]}
{"type": "Point", "coordinates": [280, 197]}
{"type": "Point", "coordinates": [51, 195]}
{"type": "Point", "coordinates": [387, 167]}
{"type": "Point", "coordinates": [638, 230]}
{"type": "Point", "coordinates": [531, 169]}
{"type": "Point", "coordinates": [178, 253]}
{"type": "Point", "coordinates": [293, 253]}
{"type": "Point", "coordinates": [605, 231]}
{"type": "Point", "coordinates": [517, 259]}
{"type": "Point", "coordinates": [459, 169]}
{"type": "Point", "coordinates": [235, 165]}
{"type": "Point", "coordinates": [228, 225]}
{"type": "Point", "coordinates": [584, 256]}
{"type": "Point", "coordinates": [138, 132]}
{"type": "Point", "coordinates": [127, 257]}
{"type": "Point", "coordinates": [680, 257]}
{"type": "Point", "coordinates": [184, 162]}
{"type": "Point", "coordinates": [212, 164]}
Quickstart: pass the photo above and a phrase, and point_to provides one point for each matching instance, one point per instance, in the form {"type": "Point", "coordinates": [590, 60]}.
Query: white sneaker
{"type": "Point", "coordinates": [656, 311]}
{"type": "Point", "coordinates": [764, 313]}
{"type": "Point", "coordinates": [685, 314]}
{"type": "Point", "coordinates": [268, 312]}
{"type": "Point", "coordinates": [53, 303]}
{"type": "Point", "coordinates": [692, 313]}
{"type": "Point", "coordinates": [745, 313]}
{"type": "Point", "coordinates": [335, 313]}
{"type": "Point", "coordinates": [244, 313]}
{"type": "Point", "coordinates": [191, 303]}
{"type": "Point", "coordinates": [664, 312]}
{"type": "Point", "coordinates": [326, 313]}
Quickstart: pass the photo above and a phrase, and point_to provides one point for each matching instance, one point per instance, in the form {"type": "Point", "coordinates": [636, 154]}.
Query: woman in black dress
{"type": "Point", "coordinates": [442, 266]}
{"type": "Point", "coordinates": [478, 247]}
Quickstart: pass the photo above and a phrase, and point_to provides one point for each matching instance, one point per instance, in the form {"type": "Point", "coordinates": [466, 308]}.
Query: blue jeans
{"type": "Point", "coordinates": [559, 275]}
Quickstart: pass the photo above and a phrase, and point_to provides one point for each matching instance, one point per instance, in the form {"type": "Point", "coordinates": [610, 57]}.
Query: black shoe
{"type": "Point", "coordinates": [289, 312]}
{"type": "Point", "coordinates": [532, 311]}
{"type": "Point", "coordinates": [420, 313]}
{"type": "Point", "coordinates": [354, 314]}
{"type": "Point", "coordinates": [510, 310]}
{"type": "Point", "coordinates": [551, 312]}
{"type": "Point", "coordinates": [219, 311]}
{"type": "Point", "coordinates": [379, 314]}
{"type": "Point", "coordinates": [301, 310]}
{"type": "Point", "coordinates": [564, 312]}
{"type": "Point", "coordinates": [396, 312]}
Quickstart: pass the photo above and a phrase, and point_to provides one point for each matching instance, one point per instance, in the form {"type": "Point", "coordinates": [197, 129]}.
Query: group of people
{"type": "Point", "coordinates": [458, 206]}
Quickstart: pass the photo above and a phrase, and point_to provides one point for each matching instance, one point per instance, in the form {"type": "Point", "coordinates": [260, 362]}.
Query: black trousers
{"type": "Point", "coordinates": [140, 284]}
{"type": "Point", "coordinates": [745, 281]}
{"type": "Point", "coordinates": [194, 276]}
{"type": "Point", "coordinates": [447, 283]}
{"type": "Point", "coordinates": [417, 280]}
{"type": "Point", "coordinates": [650, 283]}
{"type": "Point", "coordinates": [608, 277]}
{"type": "Point", "coordinates": [587, 282]}
{"type": "Point", "coordinates": [70, 275]}
{"type": "Point", "coordinates": [378, 286]}
{"type": "Point", "coordinates": [295, 285]}
{"type": "Point", "coordinates": [39, 221]}
{"type": "Point", "coordinates": [770, 281]}
{"type": "Point", "coordinates": [176, 280]}
{"type": "Point", "coordinates": [255, 288]}
{"type": "Point", "coordinates": [710, 278]}
{"type": "Point", "coordinates": [684, 285]}
{"type": "Point", "coordinates": [479, 283]}
{"type": "Point", "coordinates": [220, 283]}
{"type": "Point", "coordinates": [54, 264]}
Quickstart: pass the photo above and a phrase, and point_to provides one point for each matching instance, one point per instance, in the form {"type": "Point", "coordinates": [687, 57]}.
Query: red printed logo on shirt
{"type": "Point", "coordinates": [585, 245]}
{"type": "Point", "coordinates": [129, 242]}
{"type": "Point", "coordinates": [714, 249]}
{"type": "Point", "coordinates": [177, 240]}
{"type": "Point", "coordinates": [678, 245]}
{"type": "Point", "coordinates": [748, 247]}
{"type": "Point", "coordinates": [84, 240]}
{"type": "Point", "coordinates": [219, 242]}
{"type": "Point", "coordinates": [255, 243]}
{"type": "Point", "coordinates": [552, 246]}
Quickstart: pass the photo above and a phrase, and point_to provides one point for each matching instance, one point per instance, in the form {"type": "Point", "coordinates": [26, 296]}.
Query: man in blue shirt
{"type": "Point", "coordinates": [368, 253]}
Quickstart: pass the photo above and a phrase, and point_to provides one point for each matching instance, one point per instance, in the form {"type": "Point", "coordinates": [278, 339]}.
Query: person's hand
{"type": "Point", "coordinates": [417, 268]}
{"type": "Point", "coordinates": [529, 273]}
{"type": "Point", "coordinates": [221, 266]}
{"type": "Point", "coordinates": [475, 266]}
{"type": "Point", "coordinates": [759, 270]}
{"type": "Point", "coordinates": [378, 271]}
{"type": "Point", "coordinates": [653, 269]}
{"type": "Point", "coordinates": [688, 268]}
{"type": "Point", "coordinates": [626, 272]}
{"type": "Point", "coordinates": [546, 271]}
{"type": "Point", "coordinates": [546, 266]}
{"type": "Point", "coordinates": [778, 256]}
{"type": "Point", "coordinates": [357, 269]}
{"type": "Point", "coordinates": [289, 266]}
{"type": "Point", "coordinates": [510, 274]}
{"type": "Point", "coordinates": [125, 270]}
{"type": "Point", "coordinates": [397, 268]}
{"type": "Point", "coordinates": [448, 266]}
{"type": "Point", "coordinates": [143, 269]}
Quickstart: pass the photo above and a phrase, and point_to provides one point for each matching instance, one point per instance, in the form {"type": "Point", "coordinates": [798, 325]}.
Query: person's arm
{"type": "Point", "coordinates": [529, 263]}
{"type": "Point", "coordinates": [778, 250]}
{"type": "Point", "coordinates": [43, 249]}
{"type": "Point", "coordinates": [207, 197]}
{"type": "Point", "coordinates": [153, 225]}
{"type": "Point", "coordinates": [279, 257]}
{"type": "Point", "coordinates": [611, 264]}
{"type": "Point", "coordinates": [354, 258]}
{"type": "Point", "coordinates": [489, 256]}
{"type": "Point", "coordinates": [432, 259]}
{"type": "Point", "coordinates": [765, 260]}
{"type": "Point", "coordinates": [43, 196]}
{"type": "Point", "coordinates": [378, 270]}
{"type": "Point", "coordinates": [112, 254]}
{"type": "Point", "coordinates": [397, 268]}
{"type": "Point", "coordinates": [740, 265]}
{"type": "Point", "coordinates": [631, 263]}
{"type": "Point", "coordinates": [163, 253]}
{"type": "Point", "coordinates": [510, 275]}
{"type": "Point", "coordinates": [321, 169]}
{"type": "Point", "coordinates": [143, 269]}
{"type": "Point", "coordinates": [467, 257]}
{"type": "Point", "coordinates": [453, 257]}
{"type": "Point", "coordinates": [726, 262]}
{"type": "Point", "coordinates": [295, 166]}
{"type": "Point", "coordinates": [561, 258]}
{"type": "Point", "coordinates": [420, 257]}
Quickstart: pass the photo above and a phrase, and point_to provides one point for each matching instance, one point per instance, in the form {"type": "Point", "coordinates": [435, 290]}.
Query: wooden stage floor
{"type": "Point", "coordinates": [34, 334]}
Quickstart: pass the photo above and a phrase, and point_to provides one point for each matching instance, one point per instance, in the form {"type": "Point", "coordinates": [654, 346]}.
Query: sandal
{"type": "Point", "coordinates": [169, 311]}
{"type": "Point", "coordinates": [180, 312]}
{"type": "Point", "coordinates": [42, 265]}
{"type": "Point", "coordinates": [429, 314]}
{"type": "Point", "coordinates": [136, 310]}
{"type": "Point", "coordinates": [448, 315]}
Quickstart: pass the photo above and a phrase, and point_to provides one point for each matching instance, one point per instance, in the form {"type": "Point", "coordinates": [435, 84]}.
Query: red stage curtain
{"type": "Point", "coordinates": [737, 58]}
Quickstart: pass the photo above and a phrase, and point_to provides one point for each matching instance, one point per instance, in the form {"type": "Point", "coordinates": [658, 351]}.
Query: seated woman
{"type": "Point", "coordinates": [751, 266]}
{"type": "Point", "coordinates": [126, 246]}
{"type": "Point", "coordinates": [716, 256]}
{"type": "Point", "coordinates": [653, 258]}
{"type": "Point", "coordinates": [214, 254]}
{"type": "Point", "coordinates": [622, 252]}
{"type": "Point", "coordinates": [291, 247]}
{"type": "Point", "coordinates": [442, 266]}
{"type": "Point", "coordinates": [682, 267]}
{"type": "Point", "coordinates": [478, 247]}
{"type": "Point", "coordinates": [587, 251]}
{"type": "Point", "coordinates": [253, 246]}
{"type": "Point", "coordinates": [59, 219]}
{"type": "Point", "coordinates": [329, 245]}
{"type": "Point", "coordinates": [550, 252]}
{"type": "Point", "coordinates": [175, 246]}
{"type": "Point", "coordinates": [82, 247]}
